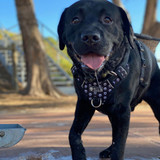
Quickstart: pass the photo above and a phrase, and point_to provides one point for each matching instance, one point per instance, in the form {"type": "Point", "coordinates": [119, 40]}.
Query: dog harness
{"type": "Point", "coordinates": [98, 87]}
{"type": "Point", "coordinates": [98, 92]}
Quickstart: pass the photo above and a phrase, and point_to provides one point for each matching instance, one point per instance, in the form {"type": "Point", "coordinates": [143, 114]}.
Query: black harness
{"type": "Point", "coordinates": [143, 81]}
{"type": "Point", "coordinates": [97, 88]}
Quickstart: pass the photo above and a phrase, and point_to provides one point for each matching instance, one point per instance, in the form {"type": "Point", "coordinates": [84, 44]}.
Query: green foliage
{"type": "Point", "coordinates": [52, 40]}
{"type": "Point", "coordinates": [1, 37]}
{"type": "Point", "coordinates": [51, 51]}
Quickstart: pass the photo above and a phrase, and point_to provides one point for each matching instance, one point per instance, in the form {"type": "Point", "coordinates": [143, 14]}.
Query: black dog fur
{"type": "Point", "coordinates": [99, 27]}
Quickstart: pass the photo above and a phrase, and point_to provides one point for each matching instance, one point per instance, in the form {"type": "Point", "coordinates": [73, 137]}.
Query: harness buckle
{"type": "Point", "coordinates": [113, 73]}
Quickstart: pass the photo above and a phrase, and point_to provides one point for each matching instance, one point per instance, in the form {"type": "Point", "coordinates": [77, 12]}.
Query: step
{"type": "Point", "coordinates": [50, 63]}
{"type": "Point", "coordinates": [56, 74]}
{"type": "Point", "coordinates": [63, 83]}
{"type": "Point", "coordinates": [67, 90]}
{"type": "Point", "coordinates": [59, 78]}
{"type": "Point", "coordinates": [53, 69]}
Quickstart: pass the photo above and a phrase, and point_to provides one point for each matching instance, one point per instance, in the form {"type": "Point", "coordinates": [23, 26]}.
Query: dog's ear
{"type": "Point", "coordinates": [61, 28]}
{"type": "Point", "coordinates": [128, 30]}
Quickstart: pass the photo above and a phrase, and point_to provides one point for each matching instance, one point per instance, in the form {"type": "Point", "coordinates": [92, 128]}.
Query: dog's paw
{"type": "Point", "coordinates": [106, 154]}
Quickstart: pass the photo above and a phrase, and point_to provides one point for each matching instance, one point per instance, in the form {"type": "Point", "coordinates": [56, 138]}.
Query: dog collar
{"type": "Point", "coordinates": [98, 92]}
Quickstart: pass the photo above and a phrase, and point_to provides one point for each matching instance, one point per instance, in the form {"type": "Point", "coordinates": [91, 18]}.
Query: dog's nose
{"type": "Point", "coordinates": [91, 38]}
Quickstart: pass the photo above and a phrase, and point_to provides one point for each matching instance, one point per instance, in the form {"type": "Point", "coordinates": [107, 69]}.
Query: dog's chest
{"type": "Point", "coordinates": [98, 92]}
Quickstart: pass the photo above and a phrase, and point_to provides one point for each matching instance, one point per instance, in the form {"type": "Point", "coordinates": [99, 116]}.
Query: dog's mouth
{"type": "Point", "coordinates": [92, 60]}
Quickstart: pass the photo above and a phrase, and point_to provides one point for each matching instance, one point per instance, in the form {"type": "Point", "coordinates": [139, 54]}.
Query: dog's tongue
{"type": "Point", "coordinates": [93, 61]}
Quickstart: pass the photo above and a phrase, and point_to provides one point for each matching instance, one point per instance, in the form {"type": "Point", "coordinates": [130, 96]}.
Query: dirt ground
{"type": "Point", "coordinates": [48, 121]}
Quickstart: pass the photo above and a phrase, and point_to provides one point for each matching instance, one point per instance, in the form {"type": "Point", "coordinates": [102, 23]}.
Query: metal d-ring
{"type": "Point", "coordinates": [100, 103]}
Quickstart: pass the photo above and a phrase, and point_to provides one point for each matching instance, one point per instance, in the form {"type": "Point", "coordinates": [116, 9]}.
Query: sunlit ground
{"type": "Point", "coordinates": [48, 121]}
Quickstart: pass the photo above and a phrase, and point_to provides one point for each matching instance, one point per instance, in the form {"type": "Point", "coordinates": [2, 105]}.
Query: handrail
{"type": "Point", "coordinates": [48, 29]}
{"type": "Point", "coordinates": [58, 51]}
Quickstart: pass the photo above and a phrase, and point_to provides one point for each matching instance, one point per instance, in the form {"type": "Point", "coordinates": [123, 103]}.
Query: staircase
{"type": "Point", "coordinates": [59, 77]}
{"type": "Point", "coordinates": [5, 80]}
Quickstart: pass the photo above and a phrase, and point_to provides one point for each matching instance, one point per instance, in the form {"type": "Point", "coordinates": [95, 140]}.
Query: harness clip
{"type": "Point", "coordinates": [96, 106]}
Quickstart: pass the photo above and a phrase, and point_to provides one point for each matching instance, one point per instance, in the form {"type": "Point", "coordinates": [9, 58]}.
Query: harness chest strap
{"type": "Point", "coordinates": [98, 92]}
{"type": "Point", "coordinates": [143, 64]}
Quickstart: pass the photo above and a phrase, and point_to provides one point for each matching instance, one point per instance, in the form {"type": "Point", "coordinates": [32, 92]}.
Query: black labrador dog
{"type": "Point", "coordinates": [112, 71]}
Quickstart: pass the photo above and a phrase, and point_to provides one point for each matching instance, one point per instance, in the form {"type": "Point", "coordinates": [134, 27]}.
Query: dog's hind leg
{"type": "Point", "coordinates": [152, 96]}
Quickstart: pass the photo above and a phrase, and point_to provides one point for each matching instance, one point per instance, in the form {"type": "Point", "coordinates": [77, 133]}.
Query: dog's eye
{"type": "Point", "coordinates": [107, 20]}
{"type": "Point", "coordinates": [75, 20]}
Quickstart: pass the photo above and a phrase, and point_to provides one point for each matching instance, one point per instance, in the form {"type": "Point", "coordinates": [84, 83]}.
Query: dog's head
{"type": "Point", "coordinates": [94, 30]}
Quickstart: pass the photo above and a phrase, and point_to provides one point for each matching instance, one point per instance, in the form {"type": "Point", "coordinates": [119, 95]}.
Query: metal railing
{"type": "Point", "coordinates": [6, 57]}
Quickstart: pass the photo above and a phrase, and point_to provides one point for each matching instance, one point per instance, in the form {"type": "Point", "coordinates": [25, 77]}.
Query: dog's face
{"type": "Point", "coordinates": [94, 30]}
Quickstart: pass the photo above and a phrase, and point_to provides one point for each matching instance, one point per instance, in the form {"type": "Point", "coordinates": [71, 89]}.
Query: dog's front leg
{"type": "Point", "coordinates": [83, 116]}
{"type": "Point", "coordinates": [120, 125]}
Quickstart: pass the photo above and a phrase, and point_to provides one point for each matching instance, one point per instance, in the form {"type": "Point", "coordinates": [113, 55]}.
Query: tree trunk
{"type": "Point", "coordinates": [150, 15]}
{"type": "Point", "coordinates": [38, 80]}
{"type": "Point", "coordinates": [150, 25]}
{"type": "Point", "coordinates": [118, 3]}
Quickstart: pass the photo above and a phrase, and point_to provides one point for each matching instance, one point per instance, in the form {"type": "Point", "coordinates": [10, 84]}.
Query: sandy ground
{"type": "Point", "coordinates": [48, 121]}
